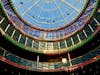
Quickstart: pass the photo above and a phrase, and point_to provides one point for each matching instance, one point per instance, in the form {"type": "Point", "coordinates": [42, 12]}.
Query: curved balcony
{"type": "Point", "coordinates": [57, 34]}
{"type": "Point", "coordinates": [47, 47]}
{"type": "Point", "coordinates": [72, 64]}
{"type": "Point", "coordinates": [65, 48]}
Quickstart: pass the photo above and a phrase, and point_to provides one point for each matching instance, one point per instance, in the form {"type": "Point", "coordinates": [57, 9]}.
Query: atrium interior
{"type": "Point", "coordinates": [49, 37]}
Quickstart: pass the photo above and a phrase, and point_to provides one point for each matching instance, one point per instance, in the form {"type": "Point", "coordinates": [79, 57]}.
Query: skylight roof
{"type": "Point", "coordinates": [49, 14]}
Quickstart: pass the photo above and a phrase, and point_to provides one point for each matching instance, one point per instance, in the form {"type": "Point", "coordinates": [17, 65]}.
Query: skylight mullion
{"type": "Point", "coordinates": [31, 7]}
{"type": "Point", "coordinates": [72, 15]}
{"type": "Point", "coordinates": [41, 10]}
{"type": "Point", "coordinates": [59, 11]}
{"type": "Point", "coordinates": [80, 1]}
{"type": "Point", "coordinates": [24, 4]}
{"type": "Point", "coordinates": [20, 5]}
{"type": "Point", "coordinates": [71, 6]}
{"type": "Point", "coordinates": [32, 19]}
{"type": "Point", "coordinates": [39, 16]}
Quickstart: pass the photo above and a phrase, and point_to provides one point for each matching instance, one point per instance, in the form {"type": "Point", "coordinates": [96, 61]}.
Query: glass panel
{"type": "Point", "coordinates": [29, 42]}
{"type": "Point", "coordinates": [16, 35]}
{"type": "Point", "coordinates": [22, 40]}
{"type": "Point", "coordinates": [1, 16]}
{"type": "Point", "coordinates": [94, 25]}
{"type": "Point", "coordinates": [57, 66]}
{"type": "Point", "coordinates": [62, 44]}
{"type": "Point", "coordinates": [4, 24]}
{"type": "Point", "coordinates": [98, 17]}
{"type": "Point", "coordinates": [12, 57]}
{"type": "Point", "coordinates": [23, 62]}
{"type": "Point", "coordinates": [42, 45]}
{"type": "Point", "coordinates": [1, 52]}
{"type": "Point", "coordinates": [88, 30]}
{"type": "Point", "coordinates": [1, 13]}
{"type": "Point", "coordinates": [10, 30]}
{"type": "Point", "coordinates": [36, 45]}
{"type": "Point", "coordinates": [55, 44]}
{"type": "Point", "coordinates": [75, 39]}
{"type": "Point", "coordinates": [81, 35]}
{"type": "Point", "coordinates": [69, 42]}
{"type": "Point", "coordinates": [49, 45]}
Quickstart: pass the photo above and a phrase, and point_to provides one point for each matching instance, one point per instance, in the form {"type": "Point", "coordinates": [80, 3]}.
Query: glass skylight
{"type": "Point", "coordinates": [49, 14]}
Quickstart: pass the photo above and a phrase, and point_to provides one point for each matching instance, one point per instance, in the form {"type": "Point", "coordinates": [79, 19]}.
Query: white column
{"type": "Point", "coordinates": [85, 33]}
{"type": "Point", "coordinates": [19, 37]}
{"type": "Point", "coordinates": [19, 73]}
{"type": "Point", "coordinates": [4, 53]}
{"type": "Point", "coordinates": [7, 27]}
{"type": "Point", "coordinates": [13, 33]}
{"type": "Point", "coordinates": [37, 61]}
{"type": "Point", "coordinates": [2, 20]}
{"type": "Point", "coordinates": [69, 58]}
{"type": "Point", "coordinates": [91, 28]}
{"type": "Point", "coordinates": [26, 41]}
{"type": "Point", "coordinates": [78, 37]}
